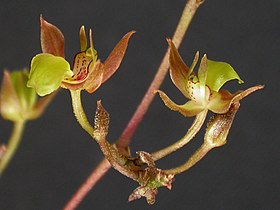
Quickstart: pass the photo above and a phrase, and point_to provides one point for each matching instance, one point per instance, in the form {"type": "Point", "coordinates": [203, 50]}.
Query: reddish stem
{"type": "Point", "coordinates": [184, 22]}
{"type": "Point", "coordinates": [83, 190]}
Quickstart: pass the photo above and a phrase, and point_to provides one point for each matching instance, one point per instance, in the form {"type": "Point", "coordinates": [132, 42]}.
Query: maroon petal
{"type": "Point", "coordinates": [52, 39]}
{"type": "Point", "coordinates": [114, 60]}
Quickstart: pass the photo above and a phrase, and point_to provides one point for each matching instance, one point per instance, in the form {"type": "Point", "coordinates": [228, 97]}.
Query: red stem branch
{"type": "Point", "coordinates": [95, 176]}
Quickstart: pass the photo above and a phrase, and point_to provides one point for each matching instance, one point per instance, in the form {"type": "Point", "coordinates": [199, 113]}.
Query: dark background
{"type": "Point", "coordinates": [56, 156]}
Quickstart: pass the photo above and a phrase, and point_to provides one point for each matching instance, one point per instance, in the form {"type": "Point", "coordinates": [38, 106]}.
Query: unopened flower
{"type": "Point", "coordinates": [17, 101]}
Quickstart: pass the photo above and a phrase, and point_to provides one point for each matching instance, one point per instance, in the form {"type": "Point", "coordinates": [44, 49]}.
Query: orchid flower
{"type": "Point", "coordinates": [203, 89]}
{"type": "Point", "coordinates": [50, 70]}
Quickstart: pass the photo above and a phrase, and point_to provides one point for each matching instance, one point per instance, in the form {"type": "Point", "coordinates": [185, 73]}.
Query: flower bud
{"type": "Point", "coordinates": [17, 101]}
{"type": "Point", "coordinates": [219, 126]}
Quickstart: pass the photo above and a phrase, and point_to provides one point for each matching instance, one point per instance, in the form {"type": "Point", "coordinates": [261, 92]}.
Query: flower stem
{"type": "Point", "coordinates": [79, 112]}
{"type": "Point", "coordinates": [197, 156]}
{"type": "Point", "coordinates": [198, 122]}
{"type": "Point", "coordinates": [124, 140]}
{"type": "Point", "coordinates": [95, 176]}
{"type": "Point", "coordinates": [13, 144]}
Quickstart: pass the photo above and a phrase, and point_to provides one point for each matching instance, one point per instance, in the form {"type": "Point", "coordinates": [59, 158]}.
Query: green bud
{"type": "Point", "coordinates": [17, 101]}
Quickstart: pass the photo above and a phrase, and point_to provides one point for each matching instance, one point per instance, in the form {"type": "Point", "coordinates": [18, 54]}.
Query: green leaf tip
{"type": "Point", "coordinates": [47, 72]}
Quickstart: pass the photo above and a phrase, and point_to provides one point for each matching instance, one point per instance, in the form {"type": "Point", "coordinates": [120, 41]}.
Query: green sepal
{"type": "Point", "coordinates": [219, 73]}
{"type": "Point", "coordinates": [27, 96]}
{"type": "Point", "coordinates": [9, 102]}
{"type": "Point", "coordinates": [47, 72]}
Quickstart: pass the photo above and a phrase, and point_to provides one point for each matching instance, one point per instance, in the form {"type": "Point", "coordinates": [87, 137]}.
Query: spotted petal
{"type": "Point", "coordinates": [80, 71]}
{"type": "Point", "coordinates": [179, 71]}
{"type": "Point", "coordinates": [95, 77]}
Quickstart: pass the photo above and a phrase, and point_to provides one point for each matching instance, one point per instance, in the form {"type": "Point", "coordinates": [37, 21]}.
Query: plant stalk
{"type": "Point", "coordinates": [79, 112]}
{"type": "Point", "coordinates": [83, 190]}
{"type": "Point", "coordinates": [184, 22]}
{"type": "Point", "coordinates": [198, 122]}
{"type": "Point", "coordinates": [124, 140]}
{"type": "Point", "coordinates": [13, 144]}
{"type": "Point", "coordinates": [197, 156]}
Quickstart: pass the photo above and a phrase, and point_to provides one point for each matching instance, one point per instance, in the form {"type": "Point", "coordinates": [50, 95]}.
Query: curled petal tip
{"type": "Point", "coordinates": [247, 92]}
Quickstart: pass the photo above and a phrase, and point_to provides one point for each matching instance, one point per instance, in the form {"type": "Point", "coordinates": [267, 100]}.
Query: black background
{"type": "Point", "coordinates": [56, 156]}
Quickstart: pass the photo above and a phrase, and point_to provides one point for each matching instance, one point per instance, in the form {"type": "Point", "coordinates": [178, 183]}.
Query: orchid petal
{"type": "Point", "coordinates": [189, 109]}
{"type": "Point", "coordinates": [219, 73]}
{"type": "Point", "coordinates": [202, 71]}
{"type": "Point", "coordinates": [195, 60]}
{"type": "Point", "coordinates": [179, 71]}
{"type": "Point", "coordinates": [83, 67]}
{"type": "Point", "coordinates": [91, 50]}
{"type": "Point", "coordinates": [80, 67]}
{"type": "Point", "coordinates": [221, 101]}
{"type": "Point", "coordinates": [52, 39]}
{"type": "Point", "coordinates": [114, 60]}
{"type": "Point", "coordinates": [246, 92]}
{"type": "Point", "coordinates": [47, 72]}
{"type": "Point", "coordinates": [83, 39]}
{"type": "Point", "coordinates": [95, 77]}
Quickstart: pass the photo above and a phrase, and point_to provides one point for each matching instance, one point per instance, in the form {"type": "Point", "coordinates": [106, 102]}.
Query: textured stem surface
{"type": "Point", "coordinates": [79, 112]}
